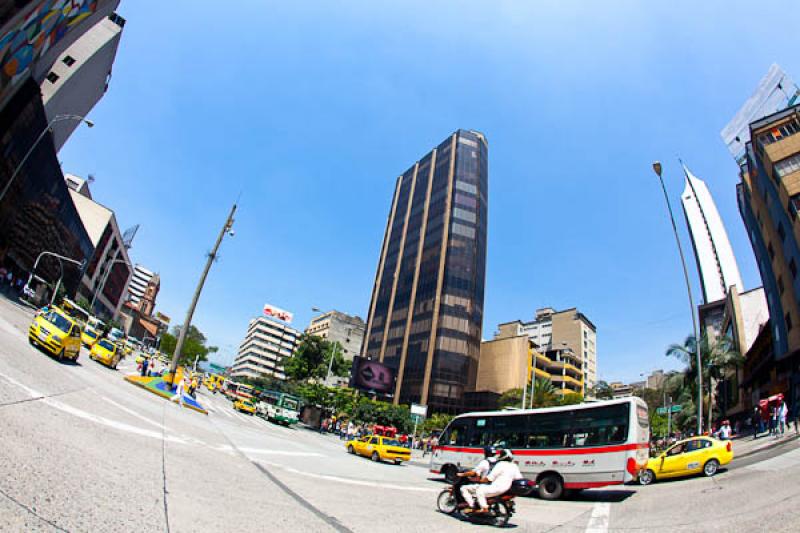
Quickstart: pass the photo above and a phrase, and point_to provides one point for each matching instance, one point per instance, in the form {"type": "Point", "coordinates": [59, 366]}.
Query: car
{"type": "Point", "coordinates": [244, 406]}
{"type": "Point", "coordinates": [57, 333]}
{"type": "Point", "coordinates": [379, 449]}
{"type": "Point", "coordinates": [688, 457]}
{"type": "Point", "coordinates": [89, 336]}
{"type": "Point", "coordinates": [106, 352]}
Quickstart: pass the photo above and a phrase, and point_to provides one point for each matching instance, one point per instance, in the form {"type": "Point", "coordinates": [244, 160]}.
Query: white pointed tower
{"type": "Point", "coordinates": [712, 249]}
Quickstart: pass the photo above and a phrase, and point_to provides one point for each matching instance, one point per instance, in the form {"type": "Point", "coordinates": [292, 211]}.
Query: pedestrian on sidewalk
{"type": "Point", "coordinates": [783, 412]}
{"type": "Point", "coordinates": [178, 397]}
{"type": "Point", "coordinates": [773, 421]}
{"type": "Point", "coordinates": [145, 364]}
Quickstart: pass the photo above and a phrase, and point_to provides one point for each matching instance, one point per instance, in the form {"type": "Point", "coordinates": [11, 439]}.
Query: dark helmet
{"type": "Point", "coordinates": [489, 452]}
{"type": "Point", "coordinates": [505, 455]}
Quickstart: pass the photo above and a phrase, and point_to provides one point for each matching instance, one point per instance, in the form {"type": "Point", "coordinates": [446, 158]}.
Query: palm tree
{"type": "Point", "coordinates": [544, 393]}
{"type": "Point", "coordinates": [716, 357]}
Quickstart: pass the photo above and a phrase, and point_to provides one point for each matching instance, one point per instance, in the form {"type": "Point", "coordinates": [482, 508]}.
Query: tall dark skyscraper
{"type": "Point", "coordinates": [426, 311]}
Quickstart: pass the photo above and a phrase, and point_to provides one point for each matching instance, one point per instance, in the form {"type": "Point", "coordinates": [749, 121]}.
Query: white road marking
{"type": "Point", "coordinates": [598, 522]}
{"type": "Point", "coordinates": [133, 413]}
{"type": "Point", "coordinates": [88, 416]}
{"type": "Point", "coordinates": [348, 480]}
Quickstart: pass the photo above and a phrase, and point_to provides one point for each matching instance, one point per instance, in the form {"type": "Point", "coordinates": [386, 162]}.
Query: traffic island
{"type": "Point", "coordinates": [157, 385]}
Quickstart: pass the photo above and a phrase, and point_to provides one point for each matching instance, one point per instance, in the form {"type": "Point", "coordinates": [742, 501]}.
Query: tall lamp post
{"type": "Point", "coordinates": [57, 118]}
{"type": "Point", "coordinates": [227, 228]}
{"type": "Point", "coordinates": [699, 364]}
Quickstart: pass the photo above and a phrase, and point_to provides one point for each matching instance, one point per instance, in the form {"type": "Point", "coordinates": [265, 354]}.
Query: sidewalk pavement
{"type": "Point", "coordinates": [746, 445]}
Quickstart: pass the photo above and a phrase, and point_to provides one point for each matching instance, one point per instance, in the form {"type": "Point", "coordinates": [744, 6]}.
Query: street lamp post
{"type": "Point", "coordinates": [227, 228]}
{"type": "Point", "coordinates": [658, 170]}
{"type": "Point", "coordinates": [333, 353]}
{"type": "Point", "coordinates": [57, 118]}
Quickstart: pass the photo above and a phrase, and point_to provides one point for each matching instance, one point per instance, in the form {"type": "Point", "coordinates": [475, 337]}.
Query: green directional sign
{"type": "Point", "coordinates": [676, 408]}
{"type": "Point", "coordinates": [673, 409]}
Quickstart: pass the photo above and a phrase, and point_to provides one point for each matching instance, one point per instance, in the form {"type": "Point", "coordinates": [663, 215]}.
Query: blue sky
{"type": "Point", "coordinates": [311, 110]}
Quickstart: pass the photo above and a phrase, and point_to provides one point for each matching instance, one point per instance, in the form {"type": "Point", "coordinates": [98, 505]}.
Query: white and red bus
{"type": "Point", "coordinates": [571, 447]}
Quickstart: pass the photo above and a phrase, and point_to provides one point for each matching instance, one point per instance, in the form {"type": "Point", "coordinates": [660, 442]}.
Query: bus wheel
{"type": "Point", "coordinates": [550, 487]}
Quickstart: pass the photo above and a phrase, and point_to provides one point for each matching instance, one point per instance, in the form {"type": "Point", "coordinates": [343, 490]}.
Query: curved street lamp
{"type": "Point", "coordinates": [657, 168]}
{"type": "Point", "coordinates": [57, 118]}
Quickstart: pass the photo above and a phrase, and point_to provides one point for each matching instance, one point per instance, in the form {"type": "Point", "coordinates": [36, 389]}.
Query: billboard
{"type": "Point", "coordinates": [371, 376]}
{"type": "Point", "coordinates": [776, 91]}
{"type": "Point", "coordinates": [277, 312]}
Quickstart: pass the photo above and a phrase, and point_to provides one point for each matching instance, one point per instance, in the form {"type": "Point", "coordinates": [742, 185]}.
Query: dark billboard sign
{"type": "Point", "coordinates": [370, 375]}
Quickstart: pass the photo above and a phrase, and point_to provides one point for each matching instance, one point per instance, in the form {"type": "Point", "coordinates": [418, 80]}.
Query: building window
{"type": "Point", "coordinates": [788, 319]}
{"type": "Point", "coordinates": [778, 133]}
{"type": "Point", "coordinates": [788, 165]}
{"type": "Point", "coordinates": [69, 61]}
{"type": "Point", "coordinates": [793, 268]}
{"type": "Point", "coordinates": [781, 232]}
{"type": "Point", "coordinates": [771, 251]}
{"type": "Point", "coordinates": [794, 202]}
{"type": "Point", "coordinates": [52, 77]}
{"type": "Point", "coordinates": [780, 285]}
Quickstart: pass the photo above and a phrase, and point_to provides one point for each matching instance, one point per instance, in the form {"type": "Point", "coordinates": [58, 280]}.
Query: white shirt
{"type": "Point", "coordinates": [483, 468]}
{"type": "Point", "coordinates": [502, 475]}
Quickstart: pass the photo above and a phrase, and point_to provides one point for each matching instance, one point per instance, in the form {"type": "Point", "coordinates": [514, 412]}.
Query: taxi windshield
{"type": "Point", "coordinates": [91, 333]}
{"type": "Point", "coordinates": [58, 320]}
{"type": "Point", "coordinates": [107, 345]}
{"type": "Point", "coordinates": [391, 442]}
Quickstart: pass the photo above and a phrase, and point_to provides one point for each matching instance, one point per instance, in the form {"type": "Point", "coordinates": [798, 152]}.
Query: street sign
{"type": "Point", "coordinates": [417, 419]}
{"type": "Point", "coordinates": [673, 409]}
{"type": "Point", "coordinates": [676, 408]}
{"type": "Point", "coordinates": [421, 410]}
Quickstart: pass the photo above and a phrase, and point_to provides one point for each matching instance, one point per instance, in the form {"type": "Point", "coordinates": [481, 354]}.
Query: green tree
{"type": "Point", "coordinates": [436, 422]}
{"type": "Point", "coordinates": [603, 391]}
{"type": "Point", "coordinates": [312, 357]}
{"type": "Point", "coordinates": [510, 398]}
{"type": "Point", "coordinates": [570, 398]}
{"type": "Point", "coordinates": [83, 303]}
{"type": "Point", "coordinates": [717, 356]}
{"type": "Point", "coordinates": [544, 393]}
{"type": "Point", "coordinates": [194, 345]}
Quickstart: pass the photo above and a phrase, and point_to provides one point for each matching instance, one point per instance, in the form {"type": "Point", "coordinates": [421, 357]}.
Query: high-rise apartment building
{"type": "Point", "coordinates": [716, 263]}
{"type": "Point", "coordinates": [344, 329]}
{"type": "Point", "coordinates": [139, 281]}
{"type": "Point", "coordinates": [266, 344]}
{"type": "Point", "coordinates": [769, 200]}
{"type": "Point", "coordinates": [426, 312]}
{"type": "Point", "coordinates": [567, 335]}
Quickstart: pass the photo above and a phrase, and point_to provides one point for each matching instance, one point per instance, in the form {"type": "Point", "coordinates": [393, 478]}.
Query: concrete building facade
{"type": "Point", "coordinates": [567, 335]}
{"type": "Point", "coordinates": [346, 330]}
{"type": "Point", "coordinates": [426, 311]}
{"type": "Point", "coordinates": [139, 282]}
{"type": "Point", "coordinates": [108, 272]}
{"type": "Point", "coordinates": [769, 200]}
{"type": "Point", "coordinates": [266, 344]}
{"type": "Point", "coordinates": [79, 78]}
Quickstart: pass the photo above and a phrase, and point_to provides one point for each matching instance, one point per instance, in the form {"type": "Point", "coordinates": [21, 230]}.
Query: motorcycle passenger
{"type": "Point", "coordinates": [499, 480]}
{"type": "Point", "coordinates": [469, 490]}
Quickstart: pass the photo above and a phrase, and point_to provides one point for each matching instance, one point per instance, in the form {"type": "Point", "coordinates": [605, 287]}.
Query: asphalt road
{"type": "Point", "coordinates": [83, 450]}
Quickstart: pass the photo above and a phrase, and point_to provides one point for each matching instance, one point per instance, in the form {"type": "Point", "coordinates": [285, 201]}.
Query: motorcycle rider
{"type": "Point", "coordinates": [468, 491]}
{"type": "Point", "coordinates": [497, 482]}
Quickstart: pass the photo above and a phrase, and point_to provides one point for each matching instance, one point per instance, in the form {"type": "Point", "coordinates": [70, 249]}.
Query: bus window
{"type": "Point", "coordinates": [480, 436]}
{"type": "Point", "coordinates": [456, 432]}
{"type": "Point", "coordinates": [510, 431]}
{"type": "Point", "coordinates": [601, 426]}
{"type": "Point", "coordinates": [549, 430]}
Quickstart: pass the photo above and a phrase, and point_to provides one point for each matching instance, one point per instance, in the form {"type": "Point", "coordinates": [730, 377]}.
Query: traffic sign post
{"type": "Point", "coordinates": [418, 414]}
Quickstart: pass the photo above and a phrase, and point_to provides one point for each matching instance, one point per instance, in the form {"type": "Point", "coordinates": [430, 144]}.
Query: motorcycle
{"type": "Point", "coordinates": [501, 508]}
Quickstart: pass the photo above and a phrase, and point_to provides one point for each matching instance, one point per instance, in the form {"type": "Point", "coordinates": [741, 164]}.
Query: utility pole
{"type": "Point", "coordinates": [227, 228]}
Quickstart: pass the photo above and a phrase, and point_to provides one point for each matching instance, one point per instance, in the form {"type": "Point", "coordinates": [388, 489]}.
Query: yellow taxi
{"type": "Point", "coordinates": [106, 352]}
{"type": "Point", "coordinates": [57, 333]}
{"type": "Point", "coordinates": [89, 336]}
{"type": "Point", "coordinates": [244, 406]}
{"type": "Point", "coordinates": [687, 457]}
{"type": "Point", "coordinates": [379, 449]}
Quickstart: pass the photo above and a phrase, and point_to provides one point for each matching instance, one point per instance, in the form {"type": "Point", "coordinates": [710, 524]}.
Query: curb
{"type": "Point", "coordinates": [769, 447]}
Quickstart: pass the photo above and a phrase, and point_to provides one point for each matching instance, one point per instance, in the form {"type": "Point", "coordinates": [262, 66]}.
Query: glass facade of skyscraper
{"type": "Point", "coordinates": [426, 310]}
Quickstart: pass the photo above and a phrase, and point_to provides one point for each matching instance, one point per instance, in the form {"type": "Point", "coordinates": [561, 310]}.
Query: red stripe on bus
{"type": "Point", "coordinates": [561, 451]}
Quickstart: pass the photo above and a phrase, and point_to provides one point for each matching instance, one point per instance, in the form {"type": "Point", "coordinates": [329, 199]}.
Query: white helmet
{"type": "Point", "coordinates": [505, 455]}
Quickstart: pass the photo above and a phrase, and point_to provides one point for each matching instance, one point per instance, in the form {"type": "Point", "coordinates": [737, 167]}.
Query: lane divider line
{"type": "Point", "coordinates": [598, 521]}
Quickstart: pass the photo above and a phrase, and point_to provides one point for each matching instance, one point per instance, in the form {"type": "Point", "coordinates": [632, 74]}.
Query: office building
{"type": "Point", "coordinates": [769, 199]}
{"type": "Point", "coordinates": [139, 282]}
{"type": "Point", "coordinates": [345, 330]}
{"type": "Point", "coordinates": [105, 279]}
{"type": "Point", "coordinates": [426, 312]}
{"type": "Point", "coordinates": [267, 342]}
{"type": "Point", "coordinates": [567, 335]}
{"type": "Point", "coordinates": [79, 78]}
{"type": "Point", "coordinates": [716, 263]}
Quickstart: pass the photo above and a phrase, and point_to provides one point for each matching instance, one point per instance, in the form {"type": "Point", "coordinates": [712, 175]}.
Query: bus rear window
{"type": "Point", "coordinates": [641, 414]}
